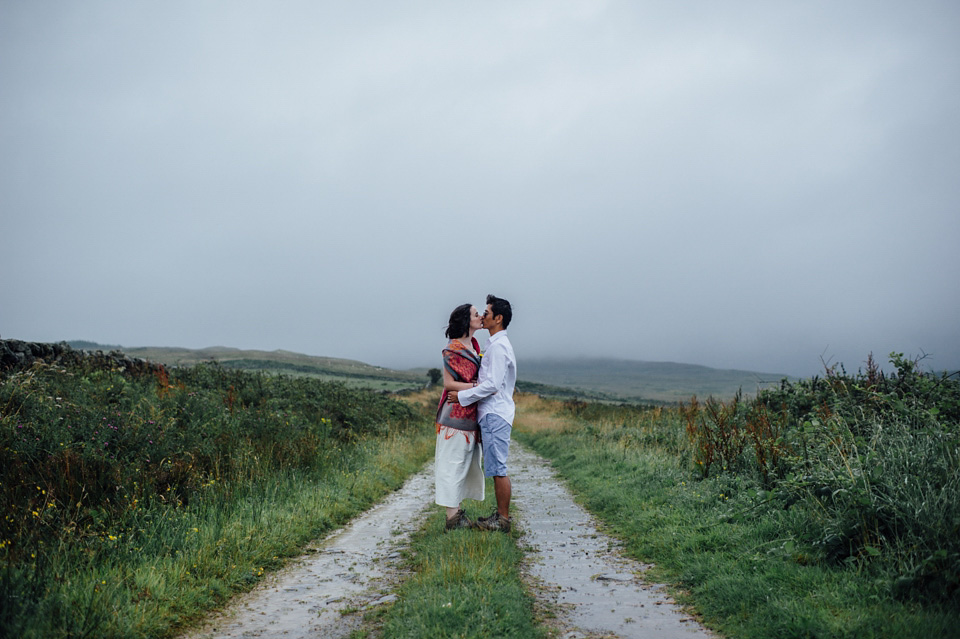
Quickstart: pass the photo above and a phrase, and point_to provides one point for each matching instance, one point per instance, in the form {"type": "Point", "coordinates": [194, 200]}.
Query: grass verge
{"type": "Point", "coordinates": [727, 553]}
{"type": "Point", "coordinates": [464, 584]}
{"type": "Point", "coordinates": [180, 564]}
{"type": "Point", "coordinates": [134, 502]}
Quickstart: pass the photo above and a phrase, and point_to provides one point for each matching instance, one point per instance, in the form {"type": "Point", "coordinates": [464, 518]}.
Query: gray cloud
{"type": "Point", "coordinates": [736, 185]}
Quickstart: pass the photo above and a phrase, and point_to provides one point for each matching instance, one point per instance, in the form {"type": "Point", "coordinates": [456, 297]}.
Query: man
{"type": "Point", "coordinates": [494, 390]}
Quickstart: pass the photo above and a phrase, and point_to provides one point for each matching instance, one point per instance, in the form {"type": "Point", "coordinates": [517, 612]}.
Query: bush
{"type": "Point", "coordinates": [83, 446]}
{"type": "Point", "coordinates": [870, 462]}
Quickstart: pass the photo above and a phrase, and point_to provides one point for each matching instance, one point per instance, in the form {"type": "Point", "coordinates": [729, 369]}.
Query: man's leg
{"type": "Point", "coordinates": [496, 446]}
{"type": "Point", "coordinates": [502, 488]}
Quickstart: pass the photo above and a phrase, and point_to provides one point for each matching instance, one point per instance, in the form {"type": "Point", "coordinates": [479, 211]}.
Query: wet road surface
{"type": "Point", "coordinates": [596, 591]}
{"type": "Point", "coordinates": [346, 570]}
{"type": "Point", "coordinates": [572, 568]}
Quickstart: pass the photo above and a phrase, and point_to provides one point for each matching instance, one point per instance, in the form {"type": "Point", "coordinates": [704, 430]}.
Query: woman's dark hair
{"type": "Point", "coordinates": [459, 324]}
{"type": "Point", "coordinates": [500, 306]}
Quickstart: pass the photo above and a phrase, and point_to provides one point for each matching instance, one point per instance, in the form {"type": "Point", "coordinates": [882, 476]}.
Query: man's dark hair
{"type": "Point", "coordinates": [459, 324]}
{"type": "Point", "coordinates": [500, 306]}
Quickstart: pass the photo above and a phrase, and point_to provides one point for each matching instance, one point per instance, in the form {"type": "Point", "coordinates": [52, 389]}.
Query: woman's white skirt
{"type": "Point", "coordinates": [458, 468]}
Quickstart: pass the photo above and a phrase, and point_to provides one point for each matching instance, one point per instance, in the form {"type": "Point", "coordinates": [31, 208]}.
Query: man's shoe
{"type": "Point", "coordinates": [495, 522]}
{"type": "Point", "coordinates": [460, 520]}
{"type": "Point", "coordinates": [492, 515]}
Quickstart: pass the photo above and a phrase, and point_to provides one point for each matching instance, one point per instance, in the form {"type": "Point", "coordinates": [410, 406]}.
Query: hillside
{"type": "Point", "coordinates": [278, 361]}
{"type": "Point", "coordinates": [225, 355]}
{"type": "Point", "coordinates": [630, 379]}
{"type": "Point", "coordinates": [586, 378]}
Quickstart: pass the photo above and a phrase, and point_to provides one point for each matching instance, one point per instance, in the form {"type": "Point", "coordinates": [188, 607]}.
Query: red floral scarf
{"type": "Point", "coordinates": [463, 366]}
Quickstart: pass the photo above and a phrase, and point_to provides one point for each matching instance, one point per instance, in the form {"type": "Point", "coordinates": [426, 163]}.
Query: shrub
{"type": "Point", "coordinates": [871, 461]}
{"type": "Point", "coordinates": [84, 445]}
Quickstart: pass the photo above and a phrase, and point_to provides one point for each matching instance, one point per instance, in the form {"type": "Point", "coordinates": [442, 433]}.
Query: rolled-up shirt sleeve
{"type": "Point", "coordinates": [496, 362]}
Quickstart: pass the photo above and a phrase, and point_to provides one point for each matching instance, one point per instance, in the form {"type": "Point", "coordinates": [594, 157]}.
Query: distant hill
{"type": "Point", "coordinates": [84, 345]}
{"type": "Point", "coordinates": [638, 380]}
{"type": "Point", "coordinates": [586, 378]}
{"type": "Point", "coordinates": [279, 361]}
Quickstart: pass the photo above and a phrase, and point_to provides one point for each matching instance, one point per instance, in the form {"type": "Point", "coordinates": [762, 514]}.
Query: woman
{"type": "Point", "coordinates": [458, 471]}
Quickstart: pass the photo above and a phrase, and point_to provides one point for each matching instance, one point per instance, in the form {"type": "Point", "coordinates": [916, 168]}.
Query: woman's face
{"type": "Point", "coordinates": [476, 322]}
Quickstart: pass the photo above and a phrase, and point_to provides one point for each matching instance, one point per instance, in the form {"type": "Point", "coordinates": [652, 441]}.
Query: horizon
{"type": "Point", "coordinates": [884, 365]}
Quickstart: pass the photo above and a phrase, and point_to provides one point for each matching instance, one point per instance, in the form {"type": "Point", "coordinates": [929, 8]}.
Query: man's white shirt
{"type": "Point", "coordinates": [496, 381]}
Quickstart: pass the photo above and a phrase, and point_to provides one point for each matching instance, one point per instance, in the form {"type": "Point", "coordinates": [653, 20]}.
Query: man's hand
{"type": "Point", "coordinates": [452, 397]}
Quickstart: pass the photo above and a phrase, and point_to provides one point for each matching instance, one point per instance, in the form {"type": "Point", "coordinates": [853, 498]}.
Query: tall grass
{"type": "Point", "coordinates": [135, 500]}
{"type": "Point", "coordinates": [826, 508]}
{"type": "Point", "coordinates": [869, 463]}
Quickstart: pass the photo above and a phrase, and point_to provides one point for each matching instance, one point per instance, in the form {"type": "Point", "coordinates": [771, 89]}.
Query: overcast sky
{"type": "Point", "coordinates": [751, 185]}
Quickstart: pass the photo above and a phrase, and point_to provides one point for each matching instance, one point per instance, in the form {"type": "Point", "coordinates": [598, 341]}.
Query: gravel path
{"type": "Point", "coordinates": [596, 591]}
{"type": "Point", "coordinates": [353, 567]}
{"type": "Point", "coordinates": [574, 569]}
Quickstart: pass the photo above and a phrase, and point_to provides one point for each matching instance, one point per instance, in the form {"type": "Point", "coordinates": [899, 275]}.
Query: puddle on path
{"type": "Point", "coordinates": [344, 570]}
{"type": "Point", "coordinates": [598, 592]}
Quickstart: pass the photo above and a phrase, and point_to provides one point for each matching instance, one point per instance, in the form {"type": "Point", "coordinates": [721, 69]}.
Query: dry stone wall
{"type": "Point", "coordinates": [18, 355]}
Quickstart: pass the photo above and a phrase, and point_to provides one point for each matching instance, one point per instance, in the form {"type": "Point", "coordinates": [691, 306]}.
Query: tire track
{"type": "Point", "coordinates": [580, 572]}
{"type": "Point", "coordinates": [349, 569]}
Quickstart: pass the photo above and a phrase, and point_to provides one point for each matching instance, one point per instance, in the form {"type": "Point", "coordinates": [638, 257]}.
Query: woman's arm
{"type": "Point", "coordinates": [450, 384]}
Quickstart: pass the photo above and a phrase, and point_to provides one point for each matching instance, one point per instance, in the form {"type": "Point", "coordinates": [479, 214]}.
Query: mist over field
{"type": "Point", "coordinates": [740, 186]}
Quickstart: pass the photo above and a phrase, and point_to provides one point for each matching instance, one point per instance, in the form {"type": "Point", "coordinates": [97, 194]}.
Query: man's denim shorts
{"type": "Point", "coordinates": [495, 431]}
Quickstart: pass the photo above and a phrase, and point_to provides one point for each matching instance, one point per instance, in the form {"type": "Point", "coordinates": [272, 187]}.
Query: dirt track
{"type": "Point", "coordinates": [573, 568]}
